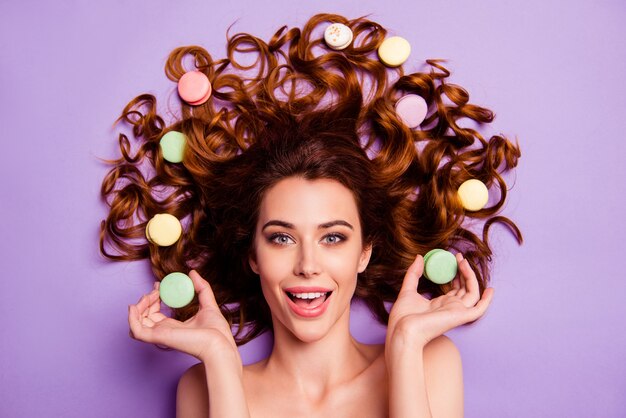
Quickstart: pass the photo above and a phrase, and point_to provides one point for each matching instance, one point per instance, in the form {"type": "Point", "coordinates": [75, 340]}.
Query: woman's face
{"type": "Point", "coordinates": [308, 243]}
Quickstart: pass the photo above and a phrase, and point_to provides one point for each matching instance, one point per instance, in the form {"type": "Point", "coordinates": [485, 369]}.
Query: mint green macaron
{"type": "Point", "coordinates": [173, 146]}
{"type": "Point", "coordinates": [176, 290]}
{"type": "Point", "coordinates": [440, 266]}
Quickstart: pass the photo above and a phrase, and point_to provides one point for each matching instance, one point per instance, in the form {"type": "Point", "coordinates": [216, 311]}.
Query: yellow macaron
{"type": "Point", "coordinates": [163, 229]}
{"type": "Point", "coordinates": [394, 51]}
{"type": "Point", "coordinates": [474, 194]}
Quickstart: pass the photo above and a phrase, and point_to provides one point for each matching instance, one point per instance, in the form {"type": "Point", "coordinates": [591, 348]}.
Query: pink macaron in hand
{"type": "Point", "coordinates": [194, 87]}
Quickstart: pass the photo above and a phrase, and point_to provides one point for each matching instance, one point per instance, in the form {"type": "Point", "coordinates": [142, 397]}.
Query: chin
{"type": "Point", "coordinates": [309, 335]}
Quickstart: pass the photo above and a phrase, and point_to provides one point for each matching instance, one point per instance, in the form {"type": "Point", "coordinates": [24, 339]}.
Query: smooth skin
{"type": "Point", "coordinates": [316, 368]}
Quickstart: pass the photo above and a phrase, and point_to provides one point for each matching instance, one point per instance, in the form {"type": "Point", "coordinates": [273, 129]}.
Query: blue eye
{"type": "Point", "coordinates": [283, 239]}
{"type": "Point", "coordinates": [337, 238]}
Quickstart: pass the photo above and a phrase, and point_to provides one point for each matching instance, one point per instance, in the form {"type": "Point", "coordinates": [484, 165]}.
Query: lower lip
{"type": "Point", "coordinates": [308, 313]}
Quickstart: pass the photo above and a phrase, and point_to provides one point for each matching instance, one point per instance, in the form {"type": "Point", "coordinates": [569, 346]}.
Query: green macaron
{"type": "Point", "coordinates": [440, 266]}
{"type": "Point", "coordinates": [176, 290]}
{"type": "Point", "coordinates": [173, 146]}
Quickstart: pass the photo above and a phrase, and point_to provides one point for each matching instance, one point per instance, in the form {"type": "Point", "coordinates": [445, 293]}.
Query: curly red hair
{"type": "Point", "coordinates": [302, 109]}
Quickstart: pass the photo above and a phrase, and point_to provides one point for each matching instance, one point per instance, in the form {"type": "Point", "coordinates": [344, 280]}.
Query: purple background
{"type": "Point", "coordinates": [553, 341]}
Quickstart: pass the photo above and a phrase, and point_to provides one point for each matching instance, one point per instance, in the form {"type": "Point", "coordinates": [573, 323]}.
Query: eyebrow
{"type": "Point", "coordinates": [320, 226]}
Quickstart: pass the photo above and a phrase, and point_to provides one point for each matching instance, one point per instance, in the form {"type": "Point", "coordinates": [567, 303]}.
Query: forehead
{"type": "Point", "coordinates": [303, 201]}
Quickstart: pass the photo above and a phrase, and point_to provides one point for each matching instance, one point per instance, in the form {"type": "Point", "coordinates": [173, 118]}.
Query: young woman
{"type": "Point", "coordinates": [288, 219]}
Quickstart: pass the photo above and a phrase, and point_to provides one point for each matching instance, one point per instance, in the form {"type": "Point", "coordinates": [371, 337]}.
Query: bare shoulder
{"type": "Point", "coordinates": [192, 398]}
{"type": "Point", "coordinates": [443, 371]}
{"type": "Point", "coordinates": [441, 346]}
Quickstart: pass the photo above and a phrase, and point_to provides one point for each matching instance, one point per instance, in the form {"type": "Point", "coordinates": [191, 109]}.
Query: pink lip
{"type": "Point", "coordinates": [307, 313]}
{"type": "Point", "coordinates": [307, 289]}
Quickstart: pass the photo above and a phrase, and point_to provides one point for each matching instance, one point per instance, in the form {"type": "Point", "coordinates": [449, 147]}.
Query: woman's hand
{"type": "Point", "coordinates": [416, 320]}
{"type": "Point", "coordinates": [204, 336]}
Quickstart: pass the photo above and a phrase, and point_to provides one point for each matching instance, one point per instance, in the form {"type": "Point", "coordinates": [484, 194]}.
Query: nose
{"type": "Point", "coordinates": [307, 264]}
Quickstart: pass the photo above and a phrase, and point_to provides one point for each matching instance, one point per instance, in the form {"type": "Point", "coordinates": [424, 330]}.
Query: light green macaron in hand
{"type": "Point", "coordinates": [440, 266]}
{"type": "Point", "coordinates": [176, 290]}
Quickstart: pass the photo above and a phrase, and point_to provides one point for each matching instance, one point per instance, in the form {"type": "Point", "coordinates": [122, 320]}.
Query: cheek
{"type": "Point", "coordinates": [271, 265]}
{"type": "Point", "coordinates": [347, 259]}
{"type": "Point", "coordinates": [343, 267]}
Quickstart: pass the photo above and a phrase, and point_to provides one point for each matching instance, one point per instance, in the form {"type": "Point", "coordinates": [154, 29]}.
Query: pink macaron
{"type": "Point", "coordinates": [194, 87]}
{"type": "Point", "coordinates": [411, 109]}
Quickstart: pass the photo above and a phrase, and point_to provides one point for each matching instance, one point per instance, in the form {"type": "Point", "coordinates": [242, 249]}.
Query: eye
{"type": "Point", "coordinates": [283, 239]}
{"type": "Point", "coordinates": [279, 239]}
{"type": "Point", "coordinates": [335, 238]}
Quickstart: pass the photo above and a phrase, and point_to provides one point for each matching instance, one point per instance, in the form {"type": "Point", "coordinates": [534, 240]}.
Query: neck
{"type": "Point", "coordinates": [315, 367]}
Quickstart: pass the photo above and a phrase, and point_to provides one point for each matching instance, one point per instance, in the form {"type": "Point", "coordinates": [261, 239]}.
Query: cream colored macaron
{"type": "Point", "coordinates": [338, 36]}
{"type": "Point", "coordinates": [394, 51]}
{"type": "Point", "coordinates": [163, 229]}
{"type": "Point", "coordinates": [474, 194]}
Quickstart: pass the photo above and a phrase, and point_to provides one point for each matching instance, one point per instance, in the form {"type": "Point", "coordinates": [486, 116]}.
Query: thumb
{"type": "Point", "coordinates": [202, 287]}
{"type": "Point", "coordinates": [413, 274]}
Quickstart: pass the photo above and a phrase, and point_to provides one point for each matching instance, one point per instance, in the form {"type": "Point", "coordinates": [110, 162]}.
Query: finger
{"type": "Point", "coordinates": [461, 292]}
{"type": "Point", "coordinates": [456, 286]}
{"type": "Point", "coordinates": [456, 283]}
{"type": "Point", "coordinates": [147, 322]}
{"type": "Point", "coordinates": [461, 278]}
{"type": "Point", "coordinates": [155, 307]}
{"type": "Point", "coordinates": [158, 317]}
{"type": "Point", "coordinates": [472, 291]}
{"type": "Point", "coordinates": [413, 274]}
{"type": "Point", "coordinates": [205, 293]}
{"type": "Point", "coordinates": [141, 304]}
{"type": "Point", "coordinates": [146, 300]}
{"type": "Point", "coordinates": [481, 307]}
{"type": "Point", "coordinates": [137, 330]}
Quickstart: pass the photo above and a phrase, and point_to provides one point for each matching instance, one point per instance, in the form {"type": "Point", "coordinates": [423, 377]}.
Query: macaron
{"type": "Point", "coordinates": [163, 229]}
{"type": "Point", "coordinates": [474, 194]}
{"type": "Point", "coordinates": [440, 266]}
{"type": "Point", "coordinates": [411, 109]}
{"type": "Point", "coordinates": [338, 36]}
{"type": "Point", "coordinates": [176, 290]}
{"type": "Point", "coordinates": [194, 87]}
{"type": "Point", "coordinates": [173, 146]}
{"type": "Point", "coordinates": [394, 51]}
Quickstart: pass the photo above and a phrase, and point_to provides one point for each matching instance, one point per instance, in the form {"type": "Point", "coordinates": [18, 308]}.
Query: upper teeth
{"type": "Point", "coordinates": [307, 295]}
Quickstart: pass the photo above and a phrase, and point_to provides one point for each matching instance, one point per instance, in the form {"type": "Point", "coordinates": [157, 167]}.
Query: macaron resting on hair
{"type": "Point", "coordinates": [163, 229]}
{"type": "Point", "coordinates": [394, 51]}
{"type": "Point", "coordinates": [176, 290]}
{"type": "Point", "coordinates": [473, 194]}
{"type": "Point", "coordinates": [194, 87]}
{"type": "Point", "coordinates": [173, 146]}
{"type": "Point", "coordinates": [338, 36]}
{"type": "Point", "coordinates": [411, 109]}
